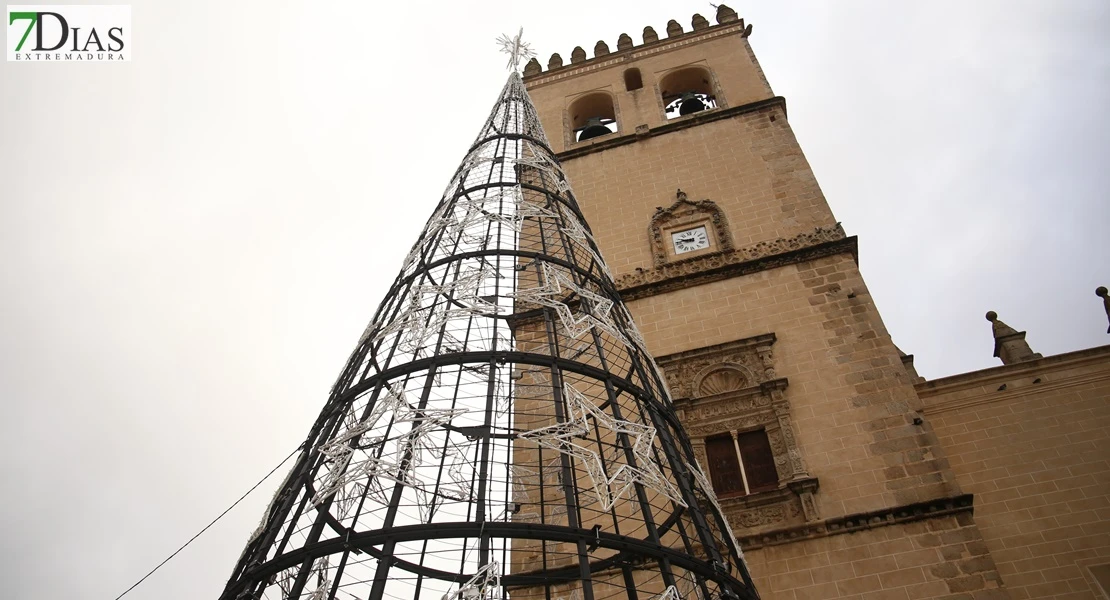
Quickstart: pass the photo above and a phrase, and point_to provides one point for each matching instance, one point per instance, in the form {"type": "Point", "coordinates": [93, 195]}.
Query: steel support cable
{"type": "Point", "coordinates": [208, 526]}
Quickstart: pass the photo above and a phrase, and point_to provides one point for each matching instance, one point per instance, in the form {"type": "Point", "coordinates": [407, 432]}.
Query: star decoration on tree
{"type": "Point", "coordinates": [583, 239]}
{"type": "Point", "coordinates": [393, 459]}
{"type": "Point", "coordinates": [671, 593]}
{"type": "Point", "coordinates": [516, 49]}
{"type": "Point", "coordinates": [594, 312]}
{"type": "Point", "coordinates": [485, 584]}
{"type": "Point", "coordinates": [612, 478]}
{"type": "Point", "coordinates": [286, 578]}
{"type": "Point", "coordinates": [540, 162]}
{"type": "Point", "coordinates": [513, 218]}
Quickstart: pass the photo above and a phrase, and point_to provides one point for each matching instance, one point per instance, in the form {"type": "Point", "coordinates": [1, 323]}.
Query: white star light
{"type": "Point", "coordinates": [286, 578]}
{"type": "Point", "coordinates": [516, 211]}
{"type": "Point", "coordinates": [567, 437]}
{"type": "Point", "coordinates": [323, 582]}
{"type": "Point", "coordinates": [671, 593]}
{"type": "Point", "coordinates": [582, 239]}
{"type": "Point", "coordinates": [575, 325]}
{"type": "Point", "coordinates": [538, 160]}
{"type": "Point", "coordinates": [515, 48]}
{"type": "Point", "coordinates": [425, 313]}
{"type": "Point", "coordinates": [392, 463]}
{"type": "Point", "coordinates": [484, 584]}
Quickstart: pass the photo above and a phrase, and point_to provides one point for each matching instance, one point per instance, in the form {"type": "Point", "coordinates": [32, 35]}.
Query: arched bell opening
{"type": "Point", "coordinates": [687, 91]}
{"type": "Point", "coordinates": [593, 116]}
{"type": "Point", "coordinates": [633, 80]}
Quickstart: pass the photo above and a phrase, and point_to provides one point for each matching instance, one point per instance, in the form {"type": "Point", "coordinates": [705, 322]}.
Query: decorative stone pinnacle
{"type": "Point", "coordinates": [1101, 292]}
{"type": "Point", "coordinates": [725, 14]}
{"type": "Point", "coordinates": [1009, 344]}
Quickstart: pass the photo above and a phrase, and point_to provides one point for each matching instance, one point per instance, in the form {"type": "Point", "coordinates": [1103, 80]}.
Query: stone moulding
{"type": "Point", "coordinates": [705, 116]}
{"type": "Point", "coordinates": [819, 243]}
{"type": "Point", "coordinates": [907, 513]}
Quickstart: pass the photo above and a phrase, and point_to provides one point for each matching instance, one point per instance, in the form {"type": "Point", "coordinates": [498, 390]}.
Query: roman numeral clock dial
{"type": "Point", "coordinates": [690, 240]}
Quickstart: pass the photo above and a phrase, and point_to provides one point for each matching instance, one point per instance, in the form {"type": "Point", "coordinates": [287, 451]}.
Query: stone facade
{"type": "Point", "coordinates": [888, 486]}
{"type": "Point", "coordinates": [1031, 441]}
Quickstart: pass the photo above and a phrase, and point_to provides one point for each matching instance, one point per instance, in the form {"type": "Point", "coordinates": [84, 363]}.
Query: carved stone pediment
{"type": "Point", "coordinates": [723, 368]}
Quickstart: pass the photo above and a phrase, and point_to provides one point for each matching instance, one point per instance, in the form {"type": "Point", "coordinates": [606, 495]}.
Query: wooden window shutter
{"type": "Point", "coordinates": [724, 468]}
{"type": "Point", "coordinates": [759, 461]}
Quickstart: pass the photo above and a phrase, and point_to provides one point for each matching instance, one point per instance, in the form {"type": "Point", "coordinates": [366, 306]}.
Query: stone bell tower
{"type": "Point", "coordinates": [748, 293]}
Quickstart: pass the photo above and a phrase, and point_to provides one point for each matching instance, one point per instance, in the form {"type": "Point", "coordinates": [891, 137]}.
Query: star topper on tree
{"type": "Point", "coordinates": [517, 49]}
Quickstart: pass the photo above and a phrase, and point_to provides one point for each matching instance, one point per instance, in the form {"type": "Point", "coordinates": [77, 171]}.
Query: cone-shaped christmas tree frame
{"type": "Point", "coordinates": [500, 430]}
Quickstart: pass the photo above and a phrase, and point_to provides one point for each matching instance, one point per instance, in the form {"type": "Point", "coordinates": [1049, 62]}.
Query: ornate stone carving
{"type": "Point", "coordinates": [688, 371]}
{"type": "Point", "coordinates": [722, 379]}
{"type": "Point", "coordinates": [718, 265]}
{"type": "Point", "coordinates": [781, 408]}
{"type": "Point", "coordinates": [782, 507]}
{"type": "Point", "coordinates": [767, 515]}
{"type": "Point", "coordinates": [781, 452]}
{"type": "Point", "coordinates": [731, 387]}
{"type": "Point", "coordinates": [766, 358]}
{"type": "Point", "coordinates": [699, 452]}
{"type": "Point", "coordinates": [747, 422]}
{"type": "Point", "coordinates": [718, 410]}
{"type": "Point", "coordinates": [809, 506]}
{"type": "Point", "coordinates": [684, 212]}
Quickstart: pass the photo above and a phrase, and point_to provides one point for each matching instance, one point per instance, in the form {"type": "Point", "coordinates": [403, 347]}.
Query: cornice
{"type": "Point", "coordinates": [708, 268]}
{"type": "Point", "coordinates": [753, 342]}
{"type": "Point", "coordinates": [1004, 373]}
{"type": "Point", "coordinates": [907, 513]}
{"type": "Point", "coordinates": [693, 120]}
{"type": "Point", "coordinates": [990, 396]}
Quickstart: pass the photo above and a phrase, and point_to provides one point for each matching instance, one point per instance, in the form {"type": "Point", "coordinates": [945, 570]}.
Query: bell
{"type": "Point", "coordinates": [690, 104]}
{"type": "Point", "coordinates": [593, 128]}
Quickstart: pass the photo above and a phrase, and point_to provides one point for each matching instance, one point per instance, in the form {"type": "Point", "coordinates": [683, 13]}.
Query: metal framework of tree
{"type": "Point", "coordinates": [500, 430]}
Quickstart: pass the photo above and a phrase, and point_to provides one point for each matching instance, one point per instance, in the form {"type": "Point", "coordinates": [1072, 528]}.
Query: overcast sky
{"type": "Point", "coordinates": [192, 243]}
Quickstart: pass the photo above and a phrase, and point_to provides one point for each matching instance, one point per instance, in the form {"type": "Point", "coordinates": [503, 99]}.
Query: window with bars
{"type": "Point", "coordinates": [741, 463]}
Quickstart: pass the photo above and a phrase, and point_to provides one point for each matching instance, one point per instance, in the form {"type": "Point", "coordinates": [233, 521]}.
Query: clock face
{"type": "Point", "coordinates": [690, 240]}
